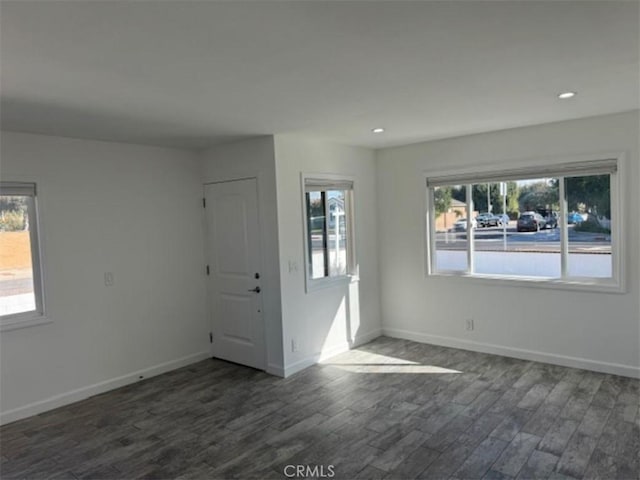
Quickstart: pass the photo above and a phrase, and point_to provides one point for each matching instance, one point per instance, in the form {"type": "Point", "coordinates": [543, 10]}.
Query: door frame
{"type": "Point", "coordinates": [264, 282]}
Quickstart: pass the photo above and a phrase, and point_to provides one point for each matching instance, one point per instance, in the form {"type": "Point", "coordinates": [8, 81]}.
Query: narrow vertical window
{"type": "Point", "coordinates": [589, 226]}
{"type": "Point", "coordinates": [328, 232]}
{"type": "Point", "coordinates": [317, 237]}
{"type": "Point", "coordinates": [20, 269]}
{"type": "Point", "coordinates": [453, 228]}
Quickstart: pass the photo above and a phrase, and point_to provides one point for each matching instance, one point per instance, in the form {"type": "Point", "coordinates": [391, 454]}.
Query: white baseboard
{"type": "Point", "coordinates": [85, 392]}
{"type": "Point", "coordinates": [366, 337]}
{"type": "Point", "coordinates": [563, 360]}
{"type": "Point", "coordinates": [276, 370]}
{"type": "Point", "coordinates": [330, 352]}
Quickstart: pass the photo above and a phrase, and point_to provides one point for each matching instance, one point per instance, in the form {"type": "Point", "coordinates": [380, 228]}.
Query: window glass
{"type": "Point", "coordinates": [451, 227]}
{"type": "Point", "coordinates": [589, 226]}
{"type": "Point", "coordinates": [528, 246]}
{"type": "Point", "coordinates": [17, 293]}
{"type": "Point", "coordinates": [337, 232]}
{"type": "Point", "coordinates": [558, 225]}
{"type": "Point", "coordinates": [316, 227]}
{"type": "Point", "coordinates": [328, 241]}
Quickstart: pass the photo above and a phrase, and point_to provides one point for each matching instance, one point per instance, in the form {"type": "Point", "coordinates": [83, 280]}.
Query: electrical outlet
{"type": "Point", "coordinates": [294, 345]}
{"type": "Point", "coordinates": [108, 279]}
{"type": "Point", "coordinates": [469, 324]}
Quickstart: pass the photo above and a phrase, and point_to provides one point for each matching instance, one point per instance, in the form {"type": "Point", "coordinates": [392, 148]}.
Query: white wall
{"type": "Point", "coordinates": [326, 321]}
{"type": "Point", "coordinates": [255, 158]}
{"type": "Point", "coordinates": [592, 330]}
{"type": "Point", "coordinates": [136, 211]}
{"type": "Point", "coordinates": [106, 207]}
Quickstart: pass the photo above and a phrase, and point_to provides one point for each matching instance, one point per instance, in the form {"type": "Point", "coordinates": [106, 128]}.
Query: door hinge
{"type": "Point", "coordinates": [204, 202]}
{"type": "Point", "coordinates": [207, 269]}
{"type": "Point", "coordinates": [210, 337]}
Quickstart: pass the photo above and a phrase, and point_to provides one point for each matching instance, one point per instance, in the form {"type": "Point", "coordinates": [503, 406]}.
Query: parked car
{"type": "Point", "coordinates": [503, 219]}
{"type": "Point", "coordinates": [530, 222]}
{"type": "Point", "coordinates": [461, 225]}
{"type": "Point", "coordinates": [574, 217]}
{"type": "Point", "coordinates": [487, 220]}
{"type": "Point", "coordinates": [550, 217]}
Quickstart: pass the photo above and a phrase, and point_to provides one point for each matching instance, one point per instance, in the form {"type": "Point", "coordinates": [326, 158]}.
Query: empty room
{"type": "Point", "coordinates": [320, 239]}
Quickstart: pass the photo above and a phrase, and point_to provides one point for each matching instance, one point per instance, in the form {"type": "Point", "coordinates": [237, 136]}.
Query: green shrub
{"type": "Point", "coordinates": [592, 226]}
{"type": "Point", "coordinates": [12, 221]}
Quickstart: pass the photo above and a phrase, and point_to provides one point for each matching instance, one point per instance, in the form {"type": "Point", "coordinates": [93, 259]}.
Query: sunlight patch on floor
{"type": "Point", "coordinates": [358, 357]}
{"type": "Point", "coordinates": [394, 368]}
{"type": "Point", "coordinates": [366, 362]}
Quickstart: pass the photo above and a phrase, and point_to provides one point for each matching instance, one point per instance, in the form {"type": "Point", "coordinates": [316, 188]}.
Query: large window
{"type": "Point", "coordinates": [20, 272]}
{"type": "Point", "coordinates": [328, 229]}
{"type": "Point", "coordinates": [558, 223]}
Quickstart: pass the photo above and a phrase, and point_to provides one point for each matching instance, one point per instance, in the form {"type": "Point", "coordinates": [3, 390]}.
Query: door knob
{"type": "Point", "coordinates": [257, 290]}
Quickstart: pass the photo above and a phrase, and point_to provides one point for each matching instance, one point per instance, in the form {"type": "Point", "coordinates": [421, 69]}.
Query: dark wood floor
{"type": "Point", "coordinates": [390, 409]}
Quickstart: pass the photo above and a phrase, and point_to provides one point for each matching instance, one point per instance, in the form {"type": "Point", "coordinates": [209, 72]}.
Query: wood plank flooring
{"type": "Point", "coordinates": [391, 409]}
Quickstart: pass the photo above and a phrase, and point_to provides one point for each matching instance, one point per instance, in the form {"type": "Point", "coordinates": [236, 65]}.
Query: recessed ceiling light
{"type": "Point", "coordinates": [565, 95]}
{"type": "Point", "coordinates": [378, 130]}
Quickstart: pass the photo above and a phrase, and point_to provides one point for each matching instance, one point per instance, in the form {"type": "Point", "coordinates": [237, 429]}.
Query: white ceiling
{"type": "Point", "coordinates": [191, 74]}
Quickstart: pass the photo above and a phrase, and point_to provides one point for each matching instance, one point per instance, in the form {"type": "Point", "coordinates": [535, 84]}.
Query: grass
{"type": "Point", "coordinates": [591, 227]}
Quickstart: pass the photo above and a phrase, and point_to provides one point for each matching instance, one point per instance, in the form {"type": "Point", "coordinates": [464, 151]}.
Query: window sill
{"type": "Point", "coordinates": [15, 322]}
{"type": "Point", "coordinates": [323, 283]}
{"type": "Point", "coordinates": [577, 285]}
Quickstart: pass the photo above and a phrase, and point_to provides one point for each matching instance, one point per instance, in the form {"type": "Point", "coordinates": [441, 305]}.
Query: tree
{"type": "Point", "coordinates": [539, 194]}
{"type": "Point", "coordinates": [13, 213]}
{"type": "Point", "coordinates": [442, 199]}
{"type": "Point", "coordinates": [480, 197]}
{"type": "Point", "coordinates": [513, 191]}
{"type": "Point", "coordinates": [13, 204]}
{"type": "Point", "coordinates": [592, 191]}
{"type": "Point", "coordinates": [459, 193]}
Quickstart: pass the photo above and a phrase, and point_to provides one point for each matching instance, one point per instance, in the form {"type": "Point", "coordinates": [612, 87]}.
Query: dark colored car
{"type": "Point", "coordinates": [552, 220]}
{"type": "Point", "coordinates": [487, 220]}
{"type": "Point", "coordinates": [530, 222]}
{"type": "Point", "coordinates": [550, 217]}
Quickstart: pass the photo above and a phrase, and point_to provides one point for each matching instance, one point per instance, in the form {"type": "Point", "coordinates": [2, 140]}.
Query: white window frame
{"type": "Point", "coordinates": [38, 316]}
{"type": "Point", "coordinates": [332, 182]}
{"type": "Point", "coordinates": [582, 164]}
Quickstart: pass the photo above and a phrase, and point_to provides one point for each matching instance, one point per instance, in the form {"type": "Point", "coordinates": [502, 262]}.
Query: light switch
{"type": "Point", "coordinates": [293, 266]}
{"type": "Point", "coordinates": [108, 279]}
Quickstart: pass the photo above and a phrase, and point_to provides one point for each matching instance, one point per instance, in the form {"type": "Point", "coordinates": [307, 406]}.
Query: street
{"type": "Point", "coordinates": [529, 254]}
{"type": "Point", "coordinates": [492, 239]}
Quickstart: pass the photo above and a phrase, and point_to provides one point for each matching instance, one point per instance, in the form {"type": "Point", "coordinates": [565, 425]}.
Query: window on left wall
{"type": "Point", "coordinates": [21, 297]}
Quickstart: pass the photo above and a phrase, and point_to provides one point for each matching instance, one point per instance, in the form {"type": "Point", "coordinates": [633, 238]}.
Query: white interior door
{"type": "Point", "coordinates": [233, 250]}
